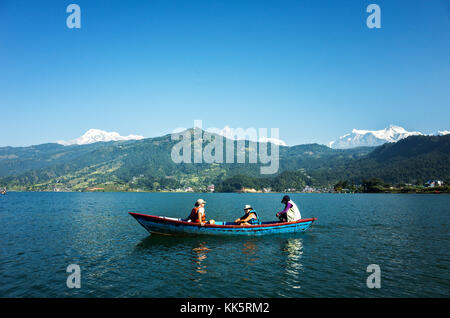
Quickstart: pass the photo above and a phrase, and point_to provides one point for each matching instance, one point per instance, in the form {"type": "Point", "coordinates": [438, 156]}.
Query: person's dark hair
{"type": "Point", "coordinates": [286, 199]}
{"type": "Point", "coordinates": [196, 204]}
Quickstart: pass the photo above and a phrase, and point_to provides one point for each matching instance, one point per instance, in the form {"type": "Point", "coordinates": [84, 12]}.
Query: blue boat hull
{"type": "Point", "coordinates": [171, 226]}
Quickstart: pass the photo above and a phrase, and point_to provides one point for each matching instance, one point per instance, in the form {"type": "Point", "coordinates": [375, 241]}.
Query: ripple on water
{"type": "Point", "coordinates": [42, 233]}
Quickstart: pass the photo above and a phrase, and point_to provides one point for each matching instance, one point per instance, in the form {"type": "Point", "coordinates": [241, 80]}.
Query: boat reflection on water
{"type": "Point", "coordinates": [200, 254]}
{"type": "Point", "coordinates": [250, 248]}
{"type": "Point", "coordinates": [294, 250]}
{"type": "Point", "coordinates": [207, 256]}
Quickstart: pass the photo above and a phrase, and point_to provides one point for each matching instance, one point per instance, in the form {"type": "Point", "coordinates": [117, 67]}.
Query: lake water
{"type": "Point", "coordinates": [42, 233]}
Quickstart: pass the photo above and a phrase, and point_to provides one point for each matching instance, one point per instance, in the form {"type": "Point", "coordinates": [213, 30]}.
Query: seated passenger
{"type": "Point", "coordinates": [291, 212]}
{"type": "Point", "coordinates": [250, 217]}
{"type": "Point", "coordinates": [198, 214]}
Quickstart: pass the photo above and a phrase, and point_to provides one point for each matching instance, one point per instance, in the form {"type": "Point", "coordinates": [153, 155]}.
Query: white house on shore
{"type": "Point", "coordinates": [434, 183]}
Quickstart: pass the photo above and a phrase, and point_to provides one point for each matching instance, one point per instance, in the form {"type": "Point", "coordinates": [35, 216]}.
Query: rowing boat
{"type": "Point", "coordinates": [174, 226]}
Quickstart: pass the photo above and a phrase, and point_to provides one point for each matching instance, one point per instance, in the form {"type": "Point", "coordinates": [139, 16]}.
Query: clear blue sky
{"type": "Point", "coordinates": [311, 68]}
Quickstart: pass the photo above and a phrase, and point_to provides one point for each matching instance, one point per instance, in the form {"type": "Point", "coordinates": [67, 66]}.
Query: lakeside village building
{"type": "Point", "coordinates": [434, 183]}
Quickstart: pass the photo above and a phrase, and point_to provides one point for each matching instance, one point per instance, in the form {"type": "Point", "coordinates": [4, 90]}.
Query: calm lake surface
{"type": "Point", "coordinates": [42, 233]}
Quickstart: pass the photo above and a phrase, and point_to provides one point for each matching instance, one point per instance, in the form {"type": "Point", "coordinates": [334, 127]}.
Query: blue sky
{"type": "Point", "coordinates": [311, 68]}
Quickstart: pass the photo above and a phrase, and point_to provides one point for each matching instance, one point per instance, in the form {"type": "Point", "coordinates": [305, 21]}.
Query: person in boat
{"type": "Point", "coordinates": [291, 212]}
{"type": "Point", "coordinates": [250, 217]}
{"type": "Point", "coordinates": [198, 214]}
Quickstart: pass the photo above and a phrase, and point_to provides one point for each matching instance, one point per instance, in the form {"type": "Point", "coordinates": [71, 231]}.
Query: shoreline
{"type": "Point", "coordinates": [196, 192]}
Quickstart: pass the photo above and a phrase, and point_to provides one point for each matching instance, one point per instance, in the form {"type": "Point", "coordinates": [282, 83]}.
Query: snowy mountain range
{"type": "Point", "coordinates": [371, 138]}
{"type": "Point", "coordinates": [237, 134]}
{"type": "Point", "coordinates": [96, 135]}
{"type": "Point", "coordinates": [357, 138]}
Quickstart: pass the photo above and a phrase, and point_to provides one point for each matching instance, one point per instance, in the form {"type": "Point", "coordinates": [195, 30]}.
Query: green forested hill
{"type": "Point", "coordinates": [147, 164]}
{"type": "Point", "coordinates": [314, 156]}
{"type": "Point", "coordinates": [415, 159]}
{"type": "Point", "coordinates": [17, 160]}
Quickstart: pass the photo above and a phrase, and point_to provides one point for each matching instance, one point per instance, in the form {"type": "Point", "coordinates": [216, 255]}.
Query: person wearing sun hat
{"type": "Point", "coordinates": [250, 217]}
{"type": "Point", "coordinates": [198, 214]}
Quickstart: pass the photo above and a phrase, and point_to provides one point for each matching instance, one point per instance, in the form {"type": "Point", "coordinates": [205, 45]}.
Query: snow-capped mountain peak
{"type": "Point", "coordinates": [242, 134]}
{"type": "Point", "coordinates": [96, 135]}
{"type": "Point", "coordinates": [359, 137]}
{"type": "Point", "coordinates": [275, 141]}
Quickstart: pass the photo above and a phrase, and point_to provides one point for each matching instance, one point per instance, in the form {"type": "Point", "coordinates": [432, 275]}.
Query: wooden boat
{"type": "Point", "coordinates": [173, 226]}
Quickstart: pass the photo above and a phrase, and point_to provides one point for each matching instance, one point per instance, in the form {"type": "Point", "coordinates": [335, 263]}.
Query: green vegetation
{"type": "Point", "coordinates": [376, 185]}
{"type": "Point", "coordinates": [286, 181]}
{"type": "Point", "coordinates": [413, 160]}
{"type": "Point", "coordinates": [146, 165]}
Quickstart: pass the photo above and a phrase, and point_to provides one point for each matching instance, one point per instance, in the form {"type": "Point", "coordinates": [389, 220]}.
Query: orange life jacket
{"type": "Point", "coordinates": [194, 215]}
